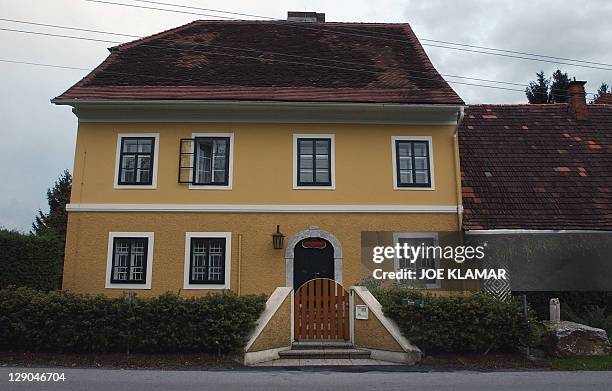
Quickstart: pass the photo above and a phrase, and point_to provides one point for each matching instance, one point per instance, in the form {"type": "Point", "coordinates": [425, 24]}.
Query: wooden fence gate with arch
{"type": "Point", "coordinates": [321, 311]}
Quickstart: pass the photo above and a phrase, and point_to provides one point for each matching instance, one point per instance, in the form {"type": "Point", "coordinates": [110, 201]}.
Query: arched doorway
{"type": "Point", "coordinates": [332, 246]}
{"type": "Point", "coordinates": [313, 258]}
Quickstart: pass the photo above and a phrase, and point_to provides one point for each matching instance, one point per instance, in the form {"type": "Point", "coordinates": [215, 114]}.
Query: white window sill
{"type": "Point", "coordinates": [135, 187]}
{"type": "Point", "coordinates": [206, 287]}
{"type": "Point", "coordinates": [206, 187]}
{"type": "Point", "coordinates": [414, 188]}
{"type": "Point", "coordinates": [314, 187]}
{"type": "Point", "coordinates": [128, 286]}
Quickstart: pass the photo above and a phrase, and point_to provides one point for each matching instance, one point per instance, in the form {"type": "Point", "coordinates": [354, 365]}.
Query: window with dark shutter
{"type": "Point", "coordinates": [205, 161]}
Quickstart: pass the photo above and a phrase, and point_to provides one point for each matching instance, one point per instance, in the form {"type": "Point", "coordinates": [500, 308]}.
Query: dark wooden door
{"type": "Point", "coordinates": [321, 311]}
{"type": "Point", "coordinates": [313, 258]}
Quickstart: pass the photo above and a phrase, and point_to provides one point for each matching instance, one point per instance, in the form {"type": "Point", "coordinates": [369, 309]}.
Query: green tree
{"type": "Point", "coordinates": [558, 87]}
{"type": "Point", "coordinates": [54, 222]}
{"type": "Point", "coordinates": [537, 91]}
{"type": "Point", "coordinates": [549, 90]}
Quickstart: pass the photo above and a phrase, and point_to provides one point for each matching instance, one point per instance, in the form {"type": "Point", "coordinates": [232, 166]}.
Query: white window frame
{"type": "Point", "coordinates": [417, 235]}
{"type": "Point", "coordinates": [228, 259]}
{"type": "Point", "coordinates": [153, 184]}
{"type": "Point", "coordinates": [230, 171]}
{"type": "Point", "coordinates": [431, 161]}
{"type": "Point", "coordinates": [109, 259]}
{"type": "Point", "coordinates": [332, 148]}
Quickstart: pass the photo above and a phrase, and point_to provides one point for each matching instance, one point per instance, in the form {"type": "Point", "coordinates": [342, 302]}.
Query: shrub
{"type": "Point", "coordinates": [476, 323]}
{"type": "Point", "coordinates": [30, 260]}
{"type": "Point", "coordinates": [64, 321]}
{"type": "Point", "coordinates": [586, 307]}
{"type": "Point", "coordinates": [590, 315]}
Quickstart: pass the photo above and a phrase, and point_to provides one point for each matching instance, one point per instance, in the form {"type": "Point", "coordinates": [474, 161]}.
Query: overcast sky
{"type": "Point", "coordinates": [38, 138]}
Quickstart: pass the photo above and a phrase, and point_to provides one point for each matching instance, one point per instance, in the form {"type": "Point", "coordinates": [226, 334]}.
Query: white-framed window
{"type": "Point", "coordinates": [208, 259]}
{"type": "Point", "coordinates": [413, 162]}
{"type": "Point", "coordinates": [314, 164]}
{"type": "Point", "coordinates": [129, 260]}
{"type": "Point", "coordinates": [136, 161]}
{"type": "Point", "coordinates": [427, 260]}
{"type": "Point", "coordinates": [206, 161]}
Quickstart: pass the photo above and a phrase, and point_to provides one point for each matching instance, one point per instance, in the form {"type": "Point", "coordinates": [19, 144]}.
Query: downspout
{"type": "Point", "coordinates": [460, 115]}
{"type": "Point", "coordinates": [458, 169]}
{"type": "Point", "coordinates": [239, 259]}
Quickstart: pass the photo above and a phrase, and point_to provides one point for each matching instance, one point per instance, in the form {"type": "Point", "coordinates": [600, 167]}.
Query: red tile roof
{"type": "Point", "coordinates": [261, 60]}
{"type": "Point", "coordinates": [535, 167]}
{"type": "Point", "coordinates": [604, 99]}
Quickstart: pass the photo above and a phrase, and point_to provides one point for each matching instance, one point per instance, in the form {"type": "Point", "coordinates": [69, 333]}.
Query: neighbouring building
{"type": "Point", "coordinates": [196, 143]}
{"type": "Point", "coordinates": [537, 186]}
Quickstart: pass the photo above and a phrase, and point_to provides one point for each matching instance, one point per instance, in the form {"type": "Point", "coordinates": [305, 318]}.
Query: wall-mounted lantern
{"type": "Point", "coordinates": [278, 239]}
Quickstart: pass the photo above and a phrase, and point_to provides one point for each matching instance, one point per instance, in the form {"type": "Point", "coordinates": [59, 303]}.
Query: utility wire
{"type": "Point", "coordinates": [182, 80]}
{"type": "Point", "coordinates": [243, 49]}
{"type": "Point", "coordinates": [378, 33]}
{"type": "Point", "coordinates": [346, 30]}
{"type": "Point", "coordinates": [251, 57]}
{"type": "Point", "coordinates": [255, 50]}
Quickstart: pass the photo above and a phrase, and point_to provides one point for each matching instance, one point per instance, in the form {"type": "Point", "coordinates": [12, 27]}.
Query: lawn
{"type": "Point", "coordinates": [593, 363]}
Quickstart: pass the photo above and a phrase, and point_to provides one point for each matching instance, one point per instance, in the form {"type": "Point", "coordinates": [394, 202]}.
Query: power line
{"type": "Point", "coordinates": [344, 29]}
{"type": "Point", "coordinates": [254, 50]}
{"type": "Point", "coordinates": [358, 30]}
{"type": "Point", "coordinates": [250, 57]}
{"type": "Point", "coordinates": [244, 49]}
{"type": "Point", "coordinates": [90, 70]}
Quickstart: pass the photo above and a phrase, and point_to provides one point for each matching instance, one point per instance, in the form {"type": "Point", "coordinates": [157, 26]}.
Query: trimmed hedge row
{"type": "Point", "coordinates": [63, 321]}
{"type": "Point", "coordinates": [31, 261]}
{"type": "Point", "coordinates": [477, 323]}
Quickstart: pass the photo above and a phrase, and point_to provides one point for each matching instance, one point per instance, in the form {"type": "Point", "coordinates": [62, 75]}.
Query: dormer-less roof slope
{"type": "Point", "coordinates": [270, 61]}
{"type": "Point", "coordinates": [536, 167]}
{"type": "Point", "coordinates": [604, 99]}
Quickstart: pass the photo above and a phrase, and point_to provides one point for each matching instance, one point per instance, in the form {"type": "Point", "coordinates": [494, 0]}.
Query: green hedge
{"type": "Point", "coordinates": [477, 323]}
{"type": "Point", "coordinates": [31, 261]}
{"type": "Point", "coordinates": [62, 321]}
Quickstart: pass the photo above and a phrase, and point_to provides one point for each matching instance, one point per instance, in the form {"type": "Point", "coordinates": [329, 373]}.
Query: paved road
{"type": "Point", "coordinates": [266, 380]}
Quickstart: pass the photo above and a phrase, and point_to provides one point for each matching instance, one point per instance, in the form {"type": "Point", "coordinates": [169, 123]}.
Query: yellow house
{"type": "Point", "coordinates": [195, 144]}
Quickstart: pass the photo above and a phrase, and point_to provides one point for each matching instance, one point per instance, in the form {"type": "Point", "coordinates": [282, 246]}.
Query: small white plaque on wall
{"type": "Point", "coordinates": [361, 312]}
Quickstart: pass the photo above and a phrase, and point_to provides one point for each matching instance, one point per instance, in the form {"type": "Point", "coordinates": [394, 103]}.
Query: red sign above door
{"type": "Point", "coordinates": [313, 243]}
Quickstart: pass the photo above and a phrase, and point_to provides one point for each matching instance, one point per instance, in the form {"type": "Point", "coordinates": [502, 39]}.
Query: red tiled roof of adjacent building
{"type": "Point", "coordinates": [604, 99]}
{"type": "Point", "coordinates": [536, 167]}
{"type": "Point", "coordinates": [270, 60]}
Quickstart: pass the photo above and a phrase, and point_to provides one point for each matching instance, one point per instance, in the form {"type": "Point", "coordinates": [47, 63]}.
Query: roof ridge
{"type": "Point", "coordinates": [154, 36]}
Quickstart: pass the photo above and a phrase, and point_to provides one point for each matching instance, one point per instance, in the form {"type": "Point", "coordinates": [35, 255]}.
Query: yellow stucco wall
{"type": "Point", "coordinates": [262, 268]}
{"type": "Point", "coordinates": [263, 164]}
{"type": "Point", "coordinates": [277, 333]}
{"type": "Point", "coordinates": [370, 333]}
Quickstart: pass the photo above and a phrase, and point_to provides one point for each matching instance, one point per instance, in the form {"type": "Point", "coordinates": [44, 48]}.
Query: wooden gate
{"type": "Point", "coordinates": [321, 311]}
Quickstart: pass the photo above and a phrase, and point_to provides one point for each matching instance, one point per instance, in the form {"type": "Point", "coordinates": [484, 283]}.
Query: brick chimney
{"type": "Point", "coordinates": [577, 100]}
{"type": "Point", "coordinates": [312, 17]}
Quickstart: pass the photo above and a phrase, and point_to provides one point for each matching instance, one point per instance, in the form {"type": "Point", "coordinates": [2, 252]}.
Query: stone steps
{"type": "Point", "coordinates": [314, 344]}
{"type": "Point", "coordinates": [314, 349]}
